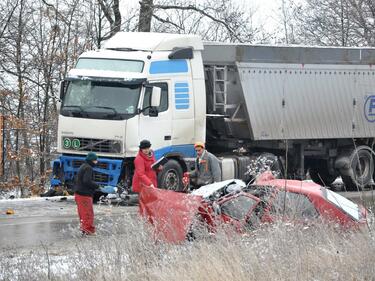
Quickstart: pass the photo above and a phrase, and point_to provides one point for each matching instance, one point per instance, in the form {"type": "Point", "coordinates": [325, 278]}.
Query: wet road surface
{"type": "Point", "coordinates": [41, 221]}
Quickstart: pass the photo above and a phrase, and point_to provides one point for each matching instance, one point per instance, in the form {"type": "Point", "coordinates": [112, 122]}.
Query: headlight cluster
{"type": "Point", "coordinates": [116, 146]}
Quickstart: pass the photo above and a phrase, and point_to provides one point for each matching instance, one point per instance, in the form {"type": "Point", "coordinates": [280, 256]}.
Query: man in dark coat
{"type": "Point", "coordinates": [84, 191]}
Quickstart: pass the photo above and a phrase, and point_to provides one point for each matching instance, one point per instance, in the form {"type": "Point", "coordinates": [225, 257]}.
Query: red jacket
{"type": "Point", "coordinates": [144, 175]}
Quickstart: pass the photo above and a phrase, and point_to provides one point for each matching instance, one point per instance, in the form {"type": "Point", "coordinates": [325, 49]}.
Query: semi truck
{"type": "Point", "coordinates": [310, 110]}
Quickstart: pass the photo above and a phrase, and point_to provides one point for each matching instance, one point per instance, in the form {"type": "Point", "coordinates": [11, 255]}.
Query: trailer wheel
{"type": "Point", "coordinates": [321, 176]}
{"type": "Point", "coordinates": [171, 176]}
{"type": "Point", "coordinates": [361, 169]}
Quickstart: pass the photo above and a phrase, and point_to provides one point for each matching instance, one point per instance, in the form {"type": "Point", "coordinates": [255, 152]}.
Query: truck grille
{"type": "Point", "coordinates": [100, 165]}
{"type": "Point", "coordinates": [100, 177]}
{"type": "Point", "coordinates": [88, 144]}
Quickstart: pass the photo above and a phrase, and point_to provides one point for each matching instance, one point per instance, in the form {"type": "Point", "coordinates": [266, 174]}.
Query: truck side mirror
{"type": "Point", "coordinates": [60, 95]}
{"type": "Point", "coordinates": [62, 89]}
{"type": "Point", "coordinates": [155, 97]}
{"type": "Point", "coordinates": [153, 112]}
{"type": "Point", "coordinates": [58, 106]}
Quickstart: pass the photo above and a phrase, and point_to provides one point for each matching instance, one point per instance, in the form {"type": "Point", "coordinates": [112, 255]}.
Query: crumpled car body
{"type": "Point", "coordinates": [171, 213]}
{"type": "Point", "coordinates": [244, 207]}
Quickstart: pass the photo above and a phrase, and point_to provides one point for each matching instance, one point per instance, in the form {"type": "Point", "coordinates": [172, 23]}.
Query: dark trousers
{"type": "Point", "coordinates": [85, 213]}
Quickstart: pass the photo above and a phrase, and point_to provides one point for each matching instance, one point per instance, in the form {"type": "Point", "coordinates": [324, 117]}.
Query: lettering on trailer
{"type": "Point", "coordinates": [181, 95]}
{"type": "Point", "coordinates": [369, 108]}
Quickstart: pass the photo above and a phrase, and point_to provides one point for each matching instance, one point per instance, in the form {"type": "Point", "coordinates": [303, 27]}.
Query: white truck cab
{"type": "Point", "coordinates": [106, 103]}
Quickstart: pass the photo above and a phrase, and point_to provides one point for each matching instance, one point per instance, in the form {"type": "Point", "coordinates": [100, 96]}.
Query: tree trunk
{"type": "Point", "coordinates": [145, 15]}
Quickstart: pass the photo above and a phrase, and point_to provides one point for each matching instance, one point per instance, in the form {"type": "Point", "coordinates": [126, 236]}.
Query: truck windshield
{"type": "Point", "coordinates": [100, 99]}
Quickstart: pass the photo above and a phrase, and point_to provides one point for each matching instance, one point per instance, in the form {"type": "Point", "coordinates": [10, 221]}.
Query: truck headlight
{"type": "Point", "coordinates": [116, 147]}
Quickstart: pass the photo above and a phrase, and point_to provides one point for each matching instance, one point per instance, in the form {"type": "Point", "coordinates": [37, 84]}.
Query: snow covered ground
{"type": "Point", "coordinates": [39, 220]}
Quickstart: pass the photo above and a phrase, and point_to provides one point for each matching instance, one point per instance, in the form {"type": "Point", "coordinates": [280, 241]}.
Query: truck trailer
{"type": "Point", "coordinates": [310, 110]}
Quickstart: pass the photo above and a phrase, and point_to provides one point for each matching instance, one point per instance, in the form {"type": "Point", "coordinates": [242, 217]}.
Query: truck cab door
{"type": "Point", "coordinates": [157, 129]}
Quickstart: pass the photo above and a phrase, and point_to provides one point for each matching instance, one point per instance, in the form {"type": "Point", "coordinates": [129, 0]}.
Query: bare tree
{"type": "Point", "coordinates": [215, 20]}
{"type": "Point", "coordinates": [336, 22]}
{"type": "Point", "coordinates": [145, 15]}
{"type": "Point", "coordinates": [111, 11]}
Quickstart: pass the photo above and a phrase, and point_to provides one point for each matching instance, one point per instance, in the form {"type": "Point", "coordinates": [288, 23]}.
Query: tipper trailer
{"type": "Point", "coordinates": [311, 108]}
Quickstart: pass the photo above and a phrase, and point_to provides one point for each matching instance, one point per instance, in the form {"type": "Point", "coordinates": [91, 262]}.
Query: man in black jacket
{"type": "Point", "coordinates": [84, 191]}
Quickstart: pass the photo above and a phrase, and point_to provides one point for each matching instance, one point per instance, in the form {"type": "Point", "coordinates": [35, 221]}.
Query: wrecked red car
{"type": "Point", "coordinates": [245, 207]}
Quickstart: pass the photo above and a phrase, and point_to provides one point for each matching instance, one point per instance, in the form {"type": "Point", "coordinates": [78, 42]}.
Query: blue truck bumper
{"type": "Point", "coordinates": [65, 168]}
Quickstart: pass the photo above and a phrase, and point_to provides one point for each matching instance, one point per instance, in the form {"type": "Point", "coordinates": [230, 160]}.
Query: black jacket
{"type": "Point", "coordinates": [84, 183]}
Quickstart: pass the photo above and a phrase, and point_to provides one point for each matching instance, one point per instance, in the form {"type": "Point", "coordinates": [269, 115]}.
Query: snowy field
{"type": "Point", "coordinates": [128, 252]}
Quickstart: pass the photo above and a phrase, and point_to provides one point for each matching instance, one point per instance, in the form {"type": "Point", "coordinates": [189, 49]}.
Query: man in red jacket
{"type": "Point", "coordinates": [144, 176]}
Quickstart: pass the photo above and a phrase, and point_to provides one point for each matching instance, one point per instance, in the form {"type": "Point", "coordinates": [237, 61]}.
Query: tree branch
{"type": "Point", "coordinates": [196, 9]}
{"type": "Point", "coordinates": [56, 11]}
{"type": "Point", "coordinates": [5, 25]}
{"type": "Point", "coordinates": [106, 12]}
{"type": "Point", "coordinates": [166, 21]}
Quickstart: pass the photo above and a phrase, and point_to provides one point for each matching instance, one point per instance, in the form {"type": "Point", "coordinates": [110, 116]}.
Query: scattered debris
{"type": "Point", "coordinates": [9, 212]}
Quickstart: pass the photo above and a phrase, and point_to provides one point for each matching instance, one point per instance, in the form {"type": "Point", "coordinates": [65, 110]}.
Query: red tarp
{"type": "Point", "coordinates": [170, 212]}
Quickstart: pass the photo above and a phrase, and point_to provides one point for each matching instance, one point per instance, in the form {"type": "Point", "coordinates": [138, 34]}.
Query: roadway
{"type": "Point", "coordinates": [46, 220]}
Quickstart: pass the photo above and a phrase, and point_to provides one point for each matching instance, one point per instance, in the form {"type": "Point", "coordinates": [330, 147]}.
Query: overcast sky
{"type": "Point", "coordinates": [266, 11]}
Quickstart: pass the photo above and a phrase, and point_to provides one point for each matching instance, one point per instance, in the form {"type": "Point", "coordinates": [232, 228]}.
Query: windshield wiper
{"type": "Point", "coordinates": [75, 106]}
{"type": "Point", "coordinates": [115, 113]}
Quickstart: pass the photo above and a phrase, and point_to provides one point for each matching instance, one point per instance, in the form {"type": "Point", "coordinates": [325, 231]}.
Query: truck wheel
{"type": "Point", "coordinates": [361, 170]}
{"type": "Point", "coordinates": [321, 176]}
{"type": "Point", "coordinates": [171, 176]}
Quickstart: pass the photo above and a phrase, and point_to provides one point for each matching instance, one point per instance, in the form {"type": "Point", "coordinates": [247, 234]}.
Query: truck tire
{"type": "Point", "coordinates": [321, 176]}
{"type": "Point", "coordinates": [171, 176]}
{"type": "Point", "coordinates": [362, 169]}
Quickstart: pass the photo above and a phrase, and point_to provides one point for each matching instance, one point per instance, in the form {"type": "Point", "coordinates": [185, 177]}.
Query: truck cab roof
{"type": "Point", "coordinates": [152, 41]}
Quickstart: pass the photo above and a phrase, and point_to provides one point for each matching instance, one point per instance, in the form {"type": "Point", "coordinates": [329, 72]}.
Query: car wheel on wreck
{"type": "Point", "coordinates": [171, 176]}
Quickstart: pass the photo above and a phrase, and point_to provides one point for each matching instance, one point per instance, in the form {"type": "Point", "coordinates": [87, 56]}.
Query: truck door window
{"type": "Point", "coordinates": [163, 98]}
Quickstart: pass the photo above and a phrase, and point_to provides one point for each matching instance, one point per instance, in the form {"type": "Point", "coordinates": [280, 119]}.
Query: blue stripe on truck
{"type": "Point", "coordinates": [186, 150]}
{"type": "Point", "coordinates": [181, 94]}
{"type": "Point", "coordinates": [169, 66]}
{"type": "Point", "coordinates": [181, 85]}
{"type": "Point", "coordinates": [182, 106]}
{"type": "Point", "coordinates": [181, 90]}
{"type": "Point", "coordinates": [182, 101]}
